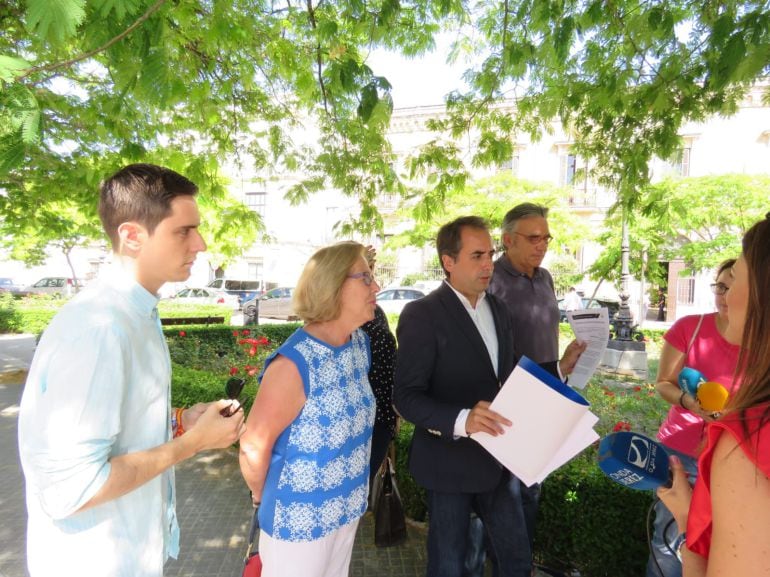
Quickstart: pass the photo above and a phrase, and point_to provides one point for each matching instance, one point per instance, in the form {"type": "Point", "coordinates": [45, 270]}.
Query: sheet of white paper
{"type": "Point", "coordinates": [549, 426]}
{"type": "Point", "coordinates": [590, 326]}
{"type": "Point", "coordinates": [583, 436]}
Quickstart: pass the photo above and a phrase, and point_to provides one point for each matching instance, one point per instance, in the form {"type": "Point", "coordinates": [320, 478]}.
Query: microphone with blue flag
{"type": "Point", "coordinates": [690, 379]}
{"type": "Point", "coordinates": [634, 461]}
{"type": "Point", "coordinates": [711, 395]}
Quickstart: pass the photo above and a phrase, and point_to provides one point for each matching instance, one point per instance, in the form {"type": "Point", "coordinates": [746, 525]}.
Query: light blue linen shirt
{"type": "Point", "coordinates": [99, 386]}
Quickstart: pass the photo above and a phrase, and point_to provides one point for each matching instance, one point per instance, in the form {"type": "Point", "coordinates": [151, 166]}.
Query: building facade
{"type": "Point", "coordinates": [736, 144]}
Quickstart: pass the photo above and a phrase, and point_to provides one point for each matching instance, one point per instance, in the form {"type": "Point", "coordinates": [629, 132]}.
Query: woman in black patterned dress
{"type": "Point", "coordinates": [381, 375]}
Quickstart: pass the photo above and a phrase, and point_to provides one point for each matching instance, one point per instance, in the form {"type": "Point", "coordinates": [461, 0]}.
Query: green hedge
{"type": "Point", "coordinates": [651, 336]}
{"type": "Point", "coordinates": [32, 314]}
{"type": "Point", "coordinates": [412, 494]}
{"type": "Point", "coordinates": [167, 309]}
{"type": "Point", "coordinates": [590, 524]}
{"type": "Point", "coordinates": [9, 315]}
{"type": "Point", "coordinates": [27, 315]}
{"type": "Point", "coordinates": [203, 358]}
{"type": "Point", "coordinates": [586, 522]}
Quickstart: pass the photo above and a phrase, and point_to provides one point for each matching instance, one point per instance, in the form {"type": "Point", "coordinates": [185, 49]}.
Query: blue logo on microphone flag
{"type": "Point", "coordinates": [633, 460]}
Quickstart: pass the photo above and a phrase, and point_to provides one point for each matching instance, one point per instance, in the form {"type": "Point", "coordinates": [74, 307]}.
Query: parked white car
{"type": "Point", "coordinates": [54, 285]}
{"type": "Point", "coordinates": [205, 296]}
{"type": "Point", "coordinates": [393, 299]}
{"type": "Point", "coordinates": [244, 289]}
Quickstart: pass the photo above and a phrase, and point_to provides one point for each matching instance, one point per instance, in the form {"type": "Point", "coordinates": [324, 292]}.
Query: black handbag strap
{"type": "Point", "coordinates": [252, 535]}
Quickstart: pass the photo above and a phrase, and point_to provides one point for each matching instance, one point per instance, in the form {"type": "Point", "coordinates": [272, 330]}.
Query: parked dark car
{"type": "Point", "coordinates": [589, 303]}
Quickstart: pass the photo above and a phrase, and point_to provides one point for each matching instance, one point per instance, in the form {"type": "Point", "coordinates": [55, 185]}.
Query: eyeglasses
{"type": "Point", "coordinates": [536, 238]}
{"type": "Point", "coordinates": [365, 276]}
{"type": "Point", "coordinates": [233, 389]}
{"type": "Point", "coordinates": [719, 288]}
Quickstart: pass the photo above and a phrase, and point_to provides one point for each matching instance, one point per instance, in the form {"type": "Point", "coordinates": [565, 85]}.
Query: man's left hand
{"type": "Point", "coordinates": [191, 415]}
{"type": "Point", "coordinates": [570, 357]}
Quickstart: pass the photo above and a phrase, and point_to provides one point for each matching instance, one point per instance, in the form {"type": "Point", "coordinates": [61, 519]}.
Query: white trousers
{"type": "Point", "coordinates": [325, 557]}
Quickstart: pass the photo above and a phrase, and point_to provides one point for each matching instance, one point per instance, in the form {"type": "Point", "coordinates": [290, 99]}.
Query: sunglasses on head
{"type": "Point", "coordinates": [233, 390]}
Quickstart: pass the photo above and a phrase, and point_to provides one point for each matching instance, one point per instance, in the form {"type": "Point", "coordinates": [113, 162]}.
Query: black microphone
{"type": "Point", "coordinates": [634, 461]}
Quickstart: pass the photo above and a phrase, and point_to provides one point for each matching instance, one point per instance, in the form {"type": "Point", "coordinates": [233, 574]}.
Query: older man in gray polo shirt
{"type": "Point", "coordinates": [527, 288]}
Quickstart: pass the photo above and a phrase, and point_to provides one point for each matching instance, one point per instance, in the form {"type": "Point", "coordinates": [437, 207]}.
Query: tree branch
{"type": "Point", "coordinates": [319, 58]}
{"type": "Point", "coordinates": [67, 63]}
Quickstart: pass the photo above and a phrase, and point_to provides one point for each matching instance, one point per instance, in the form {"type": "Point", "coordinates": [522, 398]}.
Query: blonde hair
{"type": "Point", "coordinates": [317, 297]}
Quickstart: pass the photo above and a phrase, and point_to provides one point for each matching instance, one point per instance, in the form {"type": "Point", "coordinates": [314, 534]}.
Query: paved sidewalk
{"type": "Point", "coordinates": [15, 355]}
{"type": "Point", "coordinates": [213, 503]}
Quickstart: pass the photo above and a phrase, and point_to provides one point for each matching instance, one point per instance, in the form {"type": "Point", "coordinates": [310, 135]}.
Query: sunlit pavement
{"type": "Point", "coordinates": [212, 502]}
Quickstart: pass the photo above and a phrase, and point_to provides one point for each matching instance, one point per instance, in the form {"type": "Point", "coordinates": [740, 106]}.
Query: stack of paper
{"type": "Point", "coordinates": [551, 423]}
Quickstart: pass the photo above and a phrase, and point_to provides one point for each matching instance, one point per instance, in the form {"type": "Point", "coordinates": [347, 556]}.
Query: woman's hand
{"type": "Point", "coordinates": [677, 497]}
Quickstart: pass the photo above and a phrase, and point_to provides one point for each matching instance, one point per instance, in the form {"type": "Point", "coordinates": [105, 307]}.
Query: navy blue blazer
{"type": "Point", "coordinates": [443, 367]}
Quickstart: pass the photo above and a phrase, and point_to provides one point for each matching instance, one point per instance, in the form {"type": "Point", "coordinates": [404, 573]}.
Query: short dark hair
{"type": "Point", "coordinates": [523, 210]}
{"type": "Point", "coordinates": [140, 193]}
{"type": "Point", "coordinates": [448, 241]}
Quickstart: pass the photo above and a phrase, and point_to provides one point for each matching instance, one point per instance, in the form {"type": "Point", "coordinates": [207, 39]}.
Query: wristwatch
{"type": "Point", "coordinates": [681, 541]}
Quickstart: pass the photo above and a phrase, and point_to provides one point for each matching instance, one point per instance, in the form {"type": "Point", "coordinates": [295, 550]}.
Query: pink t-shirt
{"type": "Point", "coordinates": [713, 356]}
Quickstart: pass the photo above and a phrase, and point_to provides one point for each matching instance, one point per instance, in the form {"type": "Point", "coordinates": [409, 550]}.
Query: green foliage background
{"type": "Point", "coordinates": [32, 314]}
{"type": "Point", "coordinates": [87, 86]}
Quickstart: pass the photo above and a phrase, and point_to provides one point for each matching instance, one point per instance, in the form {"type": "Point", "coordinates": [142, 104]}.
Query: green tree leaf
{"type": "Point", "coordinates": [55, 20]}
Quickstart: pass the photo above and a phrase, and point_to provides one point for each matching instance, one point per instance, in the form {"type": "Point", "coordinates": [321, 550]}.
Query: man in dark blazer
{"type": "Point", "coordinates": [456, 348]}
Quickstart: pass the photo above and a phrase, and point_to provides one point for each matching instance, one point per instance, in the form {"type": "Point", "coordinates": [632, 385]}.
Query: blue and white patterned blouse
{"type": "Point", "coordinates": [318, 477]}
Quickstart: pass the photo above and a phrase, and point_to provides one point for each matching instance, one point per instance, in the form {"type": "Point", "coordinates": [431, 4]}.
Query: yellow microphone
{"type": "Point", "coordinates": [712, 396]}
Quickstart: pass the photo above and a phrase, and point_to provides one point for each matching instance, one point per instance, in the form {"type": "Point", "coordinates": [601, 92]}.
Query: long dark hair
{"type": "Point", "coordinates": [754, 360]}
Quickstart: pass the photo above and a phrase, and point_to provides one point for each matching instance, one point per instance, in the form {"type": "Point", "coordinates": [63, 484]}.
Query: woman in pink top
{"type": "Point", "coordinates": [727, 514]}
{"type": "Point", "coordinates": [698, 342]}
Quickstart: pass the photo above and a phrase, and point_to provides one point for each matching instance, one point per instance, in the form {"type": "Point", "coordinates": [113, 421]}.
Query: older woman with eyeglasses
{"type": "Point", "coordinates": [698, 342]}
{"type": "Point", "coordinates": [305, 452]}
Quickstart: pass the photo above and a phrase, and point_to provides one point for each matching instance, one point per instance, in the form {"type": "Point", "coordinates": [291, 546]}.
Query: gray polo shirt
{"type": "Point", "coordinates": [532, 302]}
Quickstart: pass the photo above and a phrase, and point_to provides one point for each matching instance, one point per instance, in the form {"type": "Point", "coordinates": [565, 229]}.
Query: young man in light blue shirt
{"type": "Point", "coordinates": [98, 437]}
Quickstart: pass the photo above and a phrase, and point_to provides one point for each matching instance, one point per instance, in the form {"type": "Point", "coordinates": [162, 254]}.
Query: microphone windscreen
{"type": "Point", "coordinates": [689, 379]}
{"type": "Point", "coordinates": [633, 460]}
{"type": "Point", "coordinates": [712, 396]}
